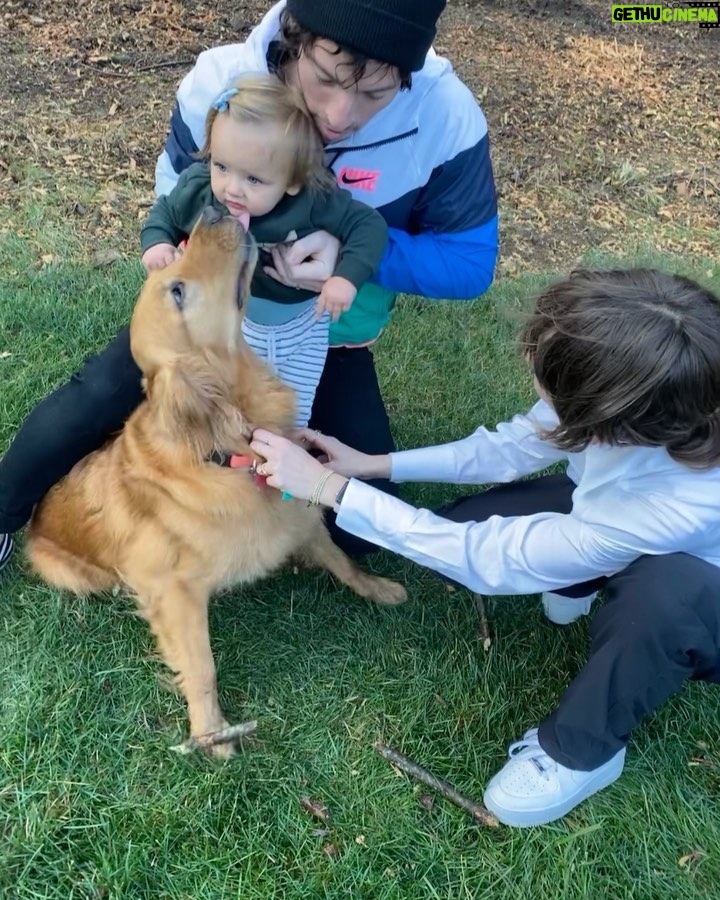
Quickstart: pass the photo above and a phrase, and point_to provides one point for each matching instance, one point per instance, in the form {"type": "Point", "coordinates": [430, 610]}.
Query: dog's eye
{"type": "Point", "coordinates": [177, 292]}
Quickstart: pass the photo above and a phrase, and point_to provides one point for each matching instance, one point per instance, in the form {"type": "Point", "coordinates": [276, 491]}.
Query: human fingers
{"type": "Point", "coordinates": [319, 245]}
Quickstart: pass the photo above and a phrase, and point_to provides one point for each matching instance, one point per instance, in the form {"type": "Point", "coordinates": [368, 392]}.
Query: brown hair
{"type": "Point", "coordinates": [630, 357]}
{"type": "Point", "coordinates": [262, 99]}
{"type": "Point", "coordinates": [296, 39]}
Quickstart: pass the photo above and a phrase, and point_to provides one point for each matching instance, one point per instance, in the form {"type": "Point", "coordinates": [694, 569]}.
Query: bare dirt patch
{"type": "Point", "coordinates": [603, 135]}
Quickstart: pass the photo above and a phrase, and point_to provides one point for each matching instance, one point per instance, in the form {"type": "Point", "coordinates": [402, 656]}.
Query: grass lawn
{"type": "Point", "coordinates": [93, 804]}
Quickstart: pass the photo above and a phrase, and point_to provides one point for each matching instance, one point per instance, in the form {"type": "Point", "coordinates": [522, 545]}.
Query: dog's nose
{"type": "Point", "coordinates": [211, 215]}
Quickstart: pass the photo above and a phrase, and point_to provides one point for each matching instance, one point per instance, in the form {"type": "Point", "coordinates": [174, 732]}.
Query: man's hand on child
{"type": "Point", "coordinates": [336, 297]}
{"type": "Point", "coordinates": [307, 263]}
{"type": "Point", "coordinates": [158, 256]}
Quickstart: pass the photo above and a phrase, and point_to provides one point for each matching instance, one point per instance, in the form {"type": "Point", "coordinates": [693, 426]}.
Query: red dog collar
{"type": "Point", "coordinates": [234, 461]}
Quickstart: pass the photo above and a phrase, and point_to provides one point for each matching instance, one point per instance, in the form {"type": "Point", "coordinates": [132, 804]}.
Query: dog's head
{"type": "Point", "coordinates": [196, 303]}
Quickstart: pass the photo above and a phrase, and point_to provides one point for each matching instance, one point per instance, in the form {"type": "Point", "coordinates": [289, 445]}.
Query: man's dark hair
{"type": "Point", "coordinates": [630, 357]}
{"type": "Point", "coordinates": [296, 39]}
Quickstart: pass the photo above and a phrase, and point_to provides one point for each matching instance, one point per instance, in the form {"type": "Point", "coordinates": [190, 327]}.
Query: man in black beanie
{"type": "Point", "coordinates": [403, 134]}
{"type": "Point", "coordinates": [397, 32]}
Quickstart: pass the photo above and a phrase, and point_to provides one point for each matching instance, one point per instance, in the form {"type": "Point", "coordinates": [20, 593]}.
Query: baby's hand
{"type": "Point", "coordinates": [336, 297]}
{"type": "Point", "coordinates": [158, 256]}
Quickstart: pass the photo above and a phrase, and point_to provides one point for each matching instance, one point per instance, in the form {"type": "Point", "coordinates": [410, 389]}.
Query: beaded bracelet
{"type": "Point", "coordinates": [317, 490]}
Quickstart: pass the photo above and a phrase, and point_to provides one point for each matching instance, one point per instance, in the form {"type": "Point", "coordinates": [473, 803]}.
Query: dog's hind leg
{"type": "Point", "coordinates": [321, 551]}
{"type": "Point", "coordinates": [178, 617]}
{"type": "Point", "coordinates": [65, 570]}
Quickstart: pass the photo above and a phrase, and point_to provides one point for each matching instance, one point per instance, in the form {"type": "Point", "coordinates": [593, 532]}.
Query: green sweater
{"type": "Point", "coordinates": [362, 231]}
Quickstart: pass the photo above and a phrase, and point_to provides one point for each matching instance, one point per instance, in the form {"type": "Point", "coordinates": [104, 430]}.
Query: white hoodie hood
{"type": "Point", "coordinates": [432, 102]}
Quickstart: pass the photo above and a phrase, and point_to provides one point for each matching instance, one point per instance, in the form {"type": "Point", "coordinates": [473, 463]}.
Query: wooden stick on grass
{"type": "Point", "coordinates": [478, 812]}
{"type": "Point", "coordinates": [230, 734]}
{"type": "Point", "coordinates": [483, 627]}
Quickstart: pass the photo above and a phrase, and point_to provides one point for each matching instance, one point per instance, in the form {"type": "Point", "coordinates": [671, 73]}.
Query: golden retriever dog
{"type": "Point", "coordinates": [155, 510]}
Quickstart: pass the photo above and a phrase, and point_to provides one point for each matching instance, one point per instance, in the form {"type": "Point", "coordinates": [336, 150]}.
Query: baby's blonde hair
{"type": "Point", "coordinates": [263, 99]}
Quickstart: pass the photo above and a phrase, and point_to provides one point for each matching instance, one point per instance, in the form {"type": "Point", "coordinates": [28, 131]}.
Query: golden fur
{"type": "Point", "coordinates": [149, 511]}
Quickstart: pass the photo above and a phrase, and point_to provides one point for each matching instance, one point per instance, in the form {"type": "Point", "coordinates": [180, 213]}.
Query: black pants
{"type": "Point", "coordinates": [349, 406]}
{"type": "Point", "coordinates": [659, 625]}
{"type": "Point", "coordinates": [81, 414]}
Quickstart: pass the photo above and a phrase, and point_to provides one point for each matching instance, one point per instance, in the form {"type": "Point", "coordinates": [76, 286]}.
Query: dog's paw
{"type": "Point", "coordinates": [221, 751]}
{"type": "Point", "coordinates": [387, 592]}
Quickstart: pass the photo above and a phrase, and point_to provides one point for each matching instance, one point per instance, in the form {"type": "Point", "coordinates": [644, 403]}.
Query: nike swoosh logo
{"type": "Point", "coordinates": [346, 180]}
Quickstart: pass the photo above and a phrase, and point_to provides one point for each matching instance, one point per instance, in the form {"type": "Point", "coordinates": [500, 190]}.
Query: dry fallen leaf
{"type": "Point", "coordinates": [689, 858]}
{"type": "Point", "coordinates": [330, 850]}
{"type": "Point", "coordinates": [316, 808]}
{"type": "Point", "coordinates": [426, 800]}
{"type": "Point", "coordinates": [106, 257]}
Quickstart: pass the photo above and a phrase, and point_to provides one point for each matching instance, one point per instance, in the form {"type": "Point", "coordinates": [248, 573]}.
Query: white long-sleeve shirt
{"type": "Point", "coordinates": [629, 502]}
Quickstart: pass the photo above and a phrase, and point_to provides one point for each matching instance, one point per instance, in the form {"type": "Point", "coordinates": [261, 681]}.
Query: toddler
{"type": "Point", "coordinates": [263, 164]}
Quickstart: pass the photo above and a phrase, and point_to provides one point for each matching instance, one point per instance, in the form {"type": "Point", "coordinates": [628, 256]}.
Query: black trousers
{"type": "Point", "coordinates": [659, 625]}
{"type": "Point", "coordinates": [81, 414]}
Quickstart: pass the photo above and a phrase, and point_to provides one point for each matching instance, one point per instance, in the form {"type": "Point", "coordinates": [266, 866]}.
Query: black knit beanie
{"type": "Point", "coordinates": [398, 32]}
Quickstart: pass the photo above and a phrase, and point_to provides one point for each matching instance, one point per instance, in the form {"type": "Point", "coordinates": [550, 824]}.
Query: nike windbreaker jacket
{"type": "Point", "coordinates": [423, 163]}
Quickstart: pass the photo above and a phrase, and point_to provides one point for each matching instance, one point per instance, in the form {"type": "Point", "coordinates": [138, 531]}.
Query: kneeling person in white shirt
{"type": "Point", "coordinates": [627, 366]}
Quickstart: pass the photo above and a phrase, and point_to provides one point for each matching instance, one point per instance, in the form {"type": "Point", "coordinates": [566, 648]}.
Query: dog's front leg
{"type": "Point", "coordinates": [320, 550]}
{"type": "Point", "coordinates": [178, 617]}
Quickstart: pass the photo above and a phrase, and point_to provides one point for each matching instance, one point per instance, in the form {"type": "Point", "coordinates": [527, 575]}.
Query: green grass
{"type": "Point", "coordinates": [94, 805]}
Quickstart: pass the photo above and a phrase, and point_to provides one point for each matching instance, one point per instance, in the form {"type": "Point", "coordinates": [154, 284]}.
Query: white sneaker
{"type": "Point", "coordinates": [533, 789]}
{"type": "Point", "coordinates": [564, 610]}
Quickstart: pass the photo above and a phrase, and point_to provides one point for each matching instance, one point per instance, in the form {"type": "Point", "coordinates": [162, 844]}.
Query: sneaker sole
{"type": "Point", "coordinates": [526, 818]}
{"type": "Point", "coordinates": [565, 611]}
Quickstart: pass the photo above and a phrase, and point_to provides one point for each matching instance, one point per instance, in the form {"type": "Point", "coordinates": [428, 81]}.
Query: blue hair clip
{"type": "Point", "coordinates": [223, 101]}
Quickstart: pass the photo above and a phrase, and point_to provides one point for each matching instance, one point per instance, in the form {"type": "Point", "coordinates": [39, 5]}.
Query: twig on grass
{"type": "Point", "coordinates": [483, 627]}
{"type": "Point", "coordinates": [228, 735]}
{"type": "Point", "coordinates": [140, 70]}
{"type": "Point", "coordinates": [478, 812]}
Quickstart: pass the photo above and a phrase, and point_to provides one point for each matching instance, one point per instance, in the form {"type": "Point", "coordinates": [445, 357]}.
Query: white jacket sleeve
{"type": "Point", "coordinates": [514, 449]}
{"type": "Point", "coordinates": [518, 555]}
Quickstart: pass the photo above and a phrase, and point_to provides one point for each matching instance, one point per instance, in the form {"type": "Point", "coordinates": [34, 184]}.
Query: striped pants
{"type": "Point", "coordinates": [296, 351]}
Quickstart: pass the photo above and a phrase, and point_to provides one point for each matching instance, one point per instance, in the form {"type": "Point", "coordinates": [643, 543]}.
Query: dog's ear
{"type": "Point", "coordinates": [194, 403]}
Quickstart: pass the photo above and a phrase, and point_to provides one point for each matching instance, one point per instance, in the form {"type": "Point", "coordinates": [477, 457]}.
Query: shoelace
{"type": "Point", "coordinates": [529, 749]}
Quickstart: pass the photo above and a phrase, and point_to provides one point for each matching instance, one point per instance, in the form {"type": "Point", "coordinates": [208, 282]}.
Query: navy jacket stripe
{"type": "Point", "coordinates": [180, 145]}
